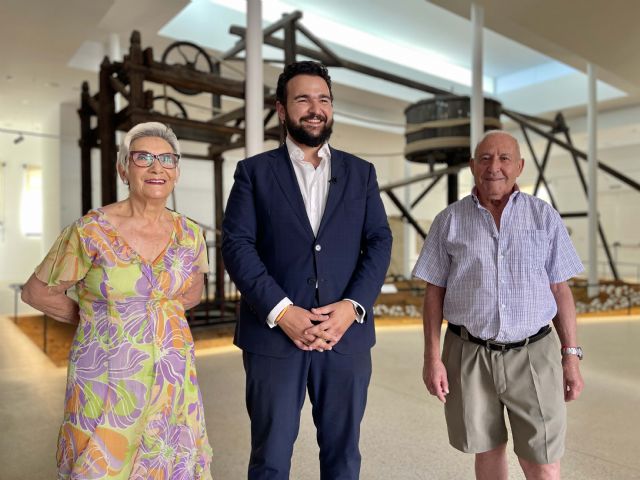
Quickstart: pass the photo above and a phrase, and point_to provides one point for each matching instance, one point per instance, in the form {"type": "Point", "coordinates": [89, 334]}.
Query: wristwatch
{"type": "Point", "coordinates": [577, 351]}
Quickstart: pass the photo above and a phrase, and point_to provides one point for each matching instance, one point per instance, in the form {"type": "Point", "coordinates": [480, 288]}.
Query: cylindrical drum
{"type": "Point", "coordinates": [439, 129]}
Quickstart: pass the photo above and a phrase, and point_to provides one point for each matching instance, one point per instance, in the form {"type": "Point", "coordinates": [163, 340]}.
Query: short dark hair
{"type": "Point", "coordinates": [306, 67]}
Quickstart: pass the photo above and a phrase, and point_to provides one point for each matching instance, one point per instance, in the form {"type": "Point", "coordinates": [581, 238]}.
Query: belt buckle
{"type": "Point", "coordinates": [500, 347]}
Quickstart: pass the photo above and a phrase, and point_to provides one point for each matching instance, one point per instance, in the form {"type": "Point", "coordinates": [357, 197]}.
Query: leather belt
{"type": "Point", "coordinates": [491, 345]}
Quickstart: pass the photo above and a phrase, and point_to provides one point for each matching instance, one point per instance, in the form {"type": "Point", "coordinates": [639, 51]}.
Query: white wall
{"type": "Point", "coordinates": [19, 254]}
{"type": "Point", "coordinates": [69, 177]}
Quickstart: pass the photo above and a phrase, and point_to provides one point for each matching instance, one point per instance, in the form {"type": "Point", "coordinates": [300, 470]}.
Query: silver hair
{"type": "Point", "coordinates": [488, 133]}
{"type": "Point", "coordinates": [147, 129]}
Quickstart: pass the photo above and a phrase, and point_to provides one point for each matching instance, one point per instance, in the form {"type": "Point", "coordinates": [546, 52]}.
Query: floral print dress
{"type": "Point", "coordinates": [133, 408]}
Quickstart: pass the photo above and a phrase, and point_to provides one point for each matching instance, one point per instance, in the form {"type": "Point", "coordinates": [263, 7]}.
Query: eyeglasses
{"type": "Point", "coordinates": [146, 159]}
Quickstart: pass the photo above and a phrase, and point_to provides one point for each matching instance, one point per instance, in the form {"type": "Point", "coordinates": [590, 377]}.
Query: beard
{"type": "Point", "coordinates": [300, 135]}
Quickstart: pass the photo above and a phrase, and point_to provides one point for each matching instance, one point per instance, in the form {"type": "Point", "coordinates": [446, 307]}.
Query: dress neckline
{"type": "Point", "coordinates": [106, 222]}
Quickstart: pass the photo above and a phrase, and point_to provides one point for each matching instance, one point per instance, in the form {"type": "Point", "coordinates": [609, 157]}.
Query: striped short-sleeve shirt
{"type": "Point", "coordinates": [498, 280]}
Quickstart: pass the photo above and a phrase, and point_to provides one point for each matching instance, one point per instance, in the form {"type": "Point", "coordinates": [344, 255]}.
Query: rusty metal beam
{"type": "Point", "coordinates": [321, 45]}
{"type": "Point", "coordinates": [406, 214]}
{"type": "Point", "coordinates": [274, 27]}
{"type": "Point", "coordinates": [179, 77]}
{"type": "Point", "coordinates": [357, 67]}
{"type": "Point", "coordinates": [424, 176]}
{"type": "Point", "coordinates": [184, 128]}
{"type": "Point", "coordinates": [571, 149]}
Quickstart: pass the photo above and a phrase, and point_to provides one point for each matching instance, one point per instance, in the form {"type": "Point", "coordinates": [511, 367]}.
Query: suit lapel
{"type": "Point", "coordinates": [286, 177]}
{"type": "Point", "coordinates": [336, 188]}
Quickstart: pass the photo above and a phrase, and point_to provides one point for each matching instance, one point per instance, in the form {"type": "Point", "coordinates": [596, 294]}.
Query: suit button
{"type": "Point", "coordinates": [311, 281]}
{"type": "Point", "coordinates": [318, 248]}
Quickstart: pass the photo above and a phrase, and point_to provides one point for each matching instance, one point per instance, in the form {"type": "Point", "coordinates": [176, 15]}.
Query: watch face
{"type": "Point", "coordinates": [577, 351]}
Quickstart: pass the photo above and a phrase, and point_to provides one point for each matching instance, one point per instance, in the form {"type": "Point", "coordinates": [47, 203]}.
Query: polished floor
{"type": "Point", "coordinates": [403, 434]}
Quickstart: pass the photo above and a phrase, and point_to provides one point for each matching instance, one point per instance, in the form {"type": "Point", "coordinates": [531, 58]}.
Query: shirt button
{"type": "Point", "coordinates": [318, 248]}
{"type": "Point", "coordinates": [502, 306]}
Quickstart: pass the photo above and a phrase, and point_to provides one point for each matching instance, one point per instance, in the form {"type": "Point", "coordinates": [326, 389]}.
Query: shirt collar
{"type": "Point", "coordinates": [296, 154]}
{"type": "Point", "coordinates": [474, 194]}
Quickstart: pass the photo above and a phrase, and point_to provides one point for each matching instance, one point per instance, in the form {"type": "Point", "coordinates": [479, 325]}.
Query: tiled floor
{"type": "Point", "coordinates": [403, 434]}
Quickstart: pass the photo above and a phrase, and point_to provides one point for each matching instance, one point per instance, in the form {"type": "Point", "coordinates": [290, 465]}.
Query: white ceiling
{"type": "Point", "coordinates": [535, 52]}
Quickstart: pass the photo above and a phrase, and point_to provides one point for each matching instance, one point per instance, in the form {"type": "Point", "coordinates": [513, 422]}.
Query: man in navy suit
{"type": "Point", "coordinates": [307, 242]}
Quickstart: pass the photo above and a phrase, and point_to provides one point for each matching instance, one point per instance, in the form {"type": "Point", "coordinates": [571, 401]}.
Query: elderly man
{"type": "Point", "coordinates": [496, 265]}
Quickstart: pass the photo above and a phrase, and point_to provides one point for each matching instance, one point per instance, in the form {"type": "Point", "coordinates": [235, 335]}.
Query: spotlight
{"type": "Point", "coordinates": [18, 139]}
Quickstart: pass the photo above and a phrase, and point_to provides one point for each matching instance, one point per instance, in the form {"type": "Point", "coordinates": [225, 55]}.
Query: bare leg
{"type": "Point", "coordinates": [540, 471]}
{"type": "Point", "coordinates": [492, 465]}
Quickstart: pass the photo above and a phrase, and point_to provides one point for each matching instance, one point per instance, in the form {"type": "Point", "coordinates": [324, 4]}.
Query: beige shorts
{"type": "Point", "coordinates": [527, 381]}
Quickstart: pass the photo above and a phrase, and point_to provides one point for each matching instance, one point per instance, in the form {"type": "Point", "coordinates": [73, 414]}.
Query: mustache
{"type": "Point", "coordinates": [314, 116]}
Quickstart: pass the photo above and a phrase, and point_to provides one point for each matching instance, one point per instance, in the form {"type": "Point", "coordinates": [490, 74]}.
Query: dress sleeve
{"type": "Point", "coordinates": [201, 261]}
{"type": "Point", "coordinates": [67, 261]}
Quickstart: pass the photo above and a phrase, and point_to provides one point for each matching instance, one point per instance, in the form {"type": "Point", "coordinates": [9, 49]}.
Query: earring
{"type": "Point", "coordinates": [125, 181]}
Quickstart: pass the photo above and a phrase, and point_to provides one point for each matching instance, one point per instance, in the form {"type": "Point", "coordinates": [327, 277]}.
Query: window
{"type": "Point", "coordinates": [31, 205]}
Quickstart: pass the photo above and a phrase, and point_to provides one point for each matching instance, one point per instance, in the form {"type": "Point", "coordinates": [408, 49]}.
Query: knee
{"type": "Point", "coordinates": [496, 453]}
{"type": "Point", "coordinates": [540, 471]}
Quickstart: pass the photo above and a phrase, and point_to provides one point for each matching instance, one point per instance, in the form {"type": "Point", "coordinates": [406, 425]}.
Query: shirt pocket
{"type": "Point", "coordinates": [528, 250]}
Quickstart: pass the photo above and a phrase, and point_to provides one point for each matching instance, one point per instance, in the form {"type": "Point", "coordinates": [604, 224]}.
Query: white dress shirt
{"type": "Point", "coordinates": [313, 181]}
{"type": "Point", "coordinates": [314, 187]}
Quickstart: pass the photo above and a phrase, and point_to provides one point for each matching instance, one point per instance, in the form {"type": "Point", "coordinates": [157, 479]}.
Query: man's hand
{"type": "Point", "coordinates": [572, 378]}
{"type": "Point", "coordinates": [338, 318]}
{"type": "Point", "coordinates": [295, 322]}
{"type": "Point", "coordinates": [434, 375]}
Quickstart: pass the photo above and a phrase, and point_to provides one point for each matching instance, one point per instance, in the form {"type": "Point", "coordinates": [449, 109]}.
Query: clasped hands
{"type": "Point", "coordinates": [331, 322]}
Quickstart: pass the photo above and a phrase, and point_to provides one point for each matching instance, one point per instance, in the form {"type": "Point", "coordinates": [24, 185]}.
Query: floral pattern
{"type": "Point", "coordinates": [133, 407]}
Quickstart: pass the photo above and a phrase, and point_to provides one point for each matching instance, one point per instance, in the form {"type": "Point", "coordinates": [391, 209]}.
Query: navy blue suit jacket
{"type": "Point", "coordinates": [270, 251]}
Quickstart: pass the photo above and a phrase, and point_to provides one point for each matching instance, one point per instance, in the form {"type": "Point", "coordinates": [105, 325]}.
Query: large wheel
{"type": "Point", "coordinates": [188, 55]}
{"type": "Point", "coordinates": [169, 106]}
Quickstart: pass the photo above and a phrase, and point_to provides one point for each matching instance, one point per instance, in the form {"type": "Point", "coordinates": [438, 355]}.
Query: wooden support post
{"type": "Point", "coordinates": [107, 135]}
{"type": "Point", "coordinates": [218, 161]}
{"type": "Point", "coordinates": [135, 75]}
{"type": "Point", "coordinates": [85, 113]}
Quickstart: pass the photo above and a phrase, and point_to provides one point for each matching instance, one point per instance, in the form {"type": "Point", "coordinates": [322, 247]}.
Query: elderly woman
{"type": "Point", "coordinates": [133, 408]}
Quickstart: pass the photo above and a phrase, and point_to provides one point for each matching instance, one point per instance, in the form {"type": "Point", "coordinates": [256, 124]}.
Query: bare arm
{"type": "Point", "coordinates": [566, 326]}
{"type": "Point", "coordinates": [434, 373]}
{"type": "Point", "coordinates": [193, 295]}
{"type": "Point", "coordinates": [51, 301]}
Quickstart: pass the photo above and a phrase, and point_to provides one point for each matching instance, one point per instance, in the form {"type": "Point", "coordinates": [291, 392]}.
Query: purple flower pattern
{"type": "Point", "coordinates": [133, 408]}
